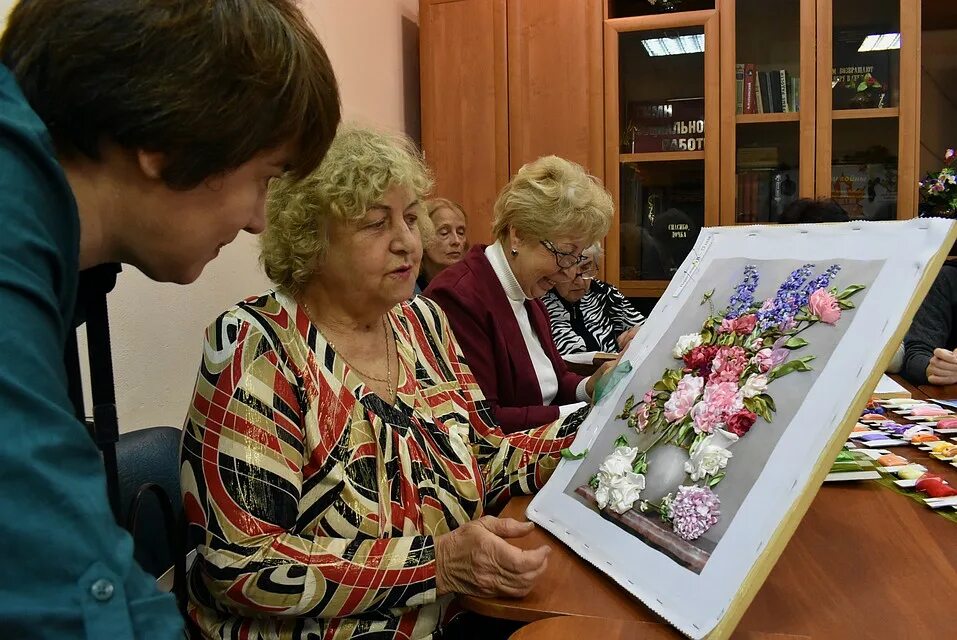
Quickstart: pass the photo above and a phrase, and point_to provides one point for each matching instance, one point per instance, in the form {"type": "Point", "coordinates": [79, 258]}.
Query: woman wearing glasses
{"type": "Point", "coordinates": [590, 315]}
{"type": "Point", "coordinates": [543, 219]}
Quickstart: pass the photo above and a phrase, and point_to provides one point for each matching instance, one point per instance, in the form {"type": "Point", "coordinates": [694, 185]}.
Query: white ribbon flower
{"type": "Point", "coordinates": [618, 486]}
{"type": "Point", "coordinates": [619, 462]}
{"type": "Point", "coordinates": [755, 385]}
{"type": "Point", "coordinates": [620, 493]}
{"type": "Point", "coordinates": [710, 455]}
{"type": "Point", "coordinates": [685, 344]}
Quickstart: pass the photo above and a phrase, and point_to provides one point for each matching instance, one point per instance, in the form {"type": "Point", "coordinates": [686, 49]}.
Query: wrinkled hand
{"type": "Point", "coordinates": [604, 369]}
{"type": "Point", "coordinates": [942, 368]}
{"type": "Point", "coordinates": [476, 560]}
{"type": "Point", "coordinates": [625, 338]}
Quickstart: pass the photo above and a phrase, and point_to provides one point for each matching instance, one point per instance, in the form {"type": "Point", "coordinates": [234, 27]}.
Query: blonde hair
{"type": "Point", "coordinates": [552, 196]}
{"type": "Point", "coordinates": [361, 165]}
{"type": "Point", "coordinates": [435, 204]}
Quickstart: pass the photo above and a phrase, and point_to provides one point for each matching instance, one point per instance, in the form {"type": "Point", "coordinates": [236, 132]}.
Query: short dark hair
{"type": "Point", "coordinates": [209, 83]}
{"type": "Point", "coordinates": [809, 210]}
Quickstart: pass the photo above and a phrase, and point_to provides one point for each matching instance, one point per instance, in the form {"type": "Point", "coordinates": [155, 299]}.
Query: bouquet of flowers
{"type": "Point", "coordinates": [940, 191]}
{"type": "Point", "coordinates": [716, 393]}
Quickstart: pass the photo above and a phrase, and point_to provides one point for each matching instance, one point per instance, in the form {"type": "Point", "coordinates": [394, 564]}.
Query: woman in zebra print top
{"type": "Point", "coordinates": [587, 314]}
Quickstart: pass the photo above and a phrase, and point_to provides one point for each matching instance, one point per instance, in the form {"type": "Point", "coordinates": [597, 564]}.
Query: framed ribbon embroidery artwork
{"type": "Point", "coordinates": [692, 472]}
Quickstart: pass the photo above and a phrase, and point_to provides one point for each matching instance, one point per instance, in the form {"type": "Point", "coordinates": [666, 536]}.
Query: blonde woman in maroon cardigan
{"type": "Point", "coordinates": [544, 218]}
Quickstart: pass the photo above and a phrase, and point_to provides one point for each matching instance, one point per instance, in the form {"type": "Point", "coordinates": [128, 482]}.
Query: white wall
{"type": "Point", "coordinates": [157, 328]}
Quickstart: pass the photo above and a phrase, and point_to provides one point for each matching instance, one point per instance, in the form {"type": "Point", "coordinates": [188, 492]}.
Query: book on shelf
{"type": "Point", "coordinates": [739, 88]}
{"type": "Point", "coordinates": [754, 200]}
{"type": "Point", "coordinates": [783, 88]}
{"type": "Point", "coordinates": [796, 93]}
{"type": "Point", "coordinates": [750, 99]}
{"type": "Point", "coordinates": [756, 157]}
{"type": "Point", "coordinates": [773, 90]}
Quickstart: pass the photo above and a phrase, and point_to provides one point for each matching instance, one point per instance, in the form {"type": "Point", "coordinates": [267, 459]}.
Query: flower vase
{"type": "Point", "coordinates": [666, 471]}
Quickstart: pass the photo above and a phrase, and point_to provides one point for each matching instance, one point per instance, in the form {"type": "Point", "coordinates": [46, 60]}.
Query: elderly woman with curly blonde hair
{"type": "Point", "coordinates": [338, 456]}
{"type": "Point", "coordinates": [544, 219]}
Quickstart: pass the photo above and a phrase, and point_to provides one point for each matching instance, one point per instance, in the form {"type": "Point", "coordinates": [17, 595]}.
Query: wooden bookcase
{"type": "Point", "coordinates": [662, 196]}
{"type": "Point", "coordinates": [865, 158]}
{"type": "Point", "coordinates": [506, 81]}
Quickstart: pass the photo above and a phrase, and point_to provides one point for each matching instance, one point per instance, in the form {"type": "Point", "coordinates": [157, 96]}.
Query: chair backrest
{"type": "Point", "coordinates": [150, 456]}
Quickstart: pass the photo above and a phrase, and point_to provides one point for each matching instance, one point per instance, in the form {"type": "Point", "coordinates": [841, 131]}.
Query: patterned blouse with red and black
{"type": "Point", "coordinates": [316, 502]}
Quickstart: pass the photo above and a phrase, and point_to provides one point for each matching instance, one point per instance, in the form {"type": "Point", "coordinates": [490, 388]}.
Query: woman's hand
{"type": "Point", "coordinates": [592, 381]}
{"type": "Point", "coordinates": [475, 559]}
{"type": "Point", "coordinates": [625, 338]}
{"type": "Point", "coordinates": [942, 368]}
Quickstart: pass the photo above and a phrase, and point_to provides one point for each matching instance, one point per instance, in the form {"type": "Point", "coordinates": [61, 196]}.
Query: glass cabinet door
{"type": "Point", "coordinates": [867, 150]}
{"type": "Point", "coordinates": [768, 85]}
{"type": "Point", "coordinates": [661, 99]}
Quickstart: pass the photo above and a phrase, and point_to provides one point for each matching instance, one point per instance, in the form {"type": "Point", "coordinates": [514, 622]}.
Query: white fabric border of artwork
{"type": "Point", "coordinates": [696, 603]}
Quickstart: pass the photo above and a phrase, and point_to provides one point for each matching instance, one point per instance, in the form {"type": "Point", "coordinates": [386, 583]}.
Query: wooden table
{"type": "Point", "coordinates": [579, 628]}
{"type": "Point", "coordinates": [865, 562]}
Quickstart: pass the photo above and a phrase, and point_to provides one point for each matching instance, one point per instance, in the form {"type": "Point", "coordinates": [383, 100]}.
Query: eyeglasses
{"type": "Point", "coordinates": [588, 271]}
{"type": "Point", "coordinates": [563, 259]}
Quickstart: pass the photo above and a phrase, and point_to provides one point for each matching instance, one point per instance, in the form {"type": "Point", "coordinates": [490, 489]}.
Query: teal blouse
{"type": "Point", "coordinates": [67, 569]}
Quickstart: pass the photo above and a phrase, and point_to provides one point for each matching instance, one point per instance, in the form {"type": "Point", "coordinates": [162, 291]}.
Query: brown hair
{"type": "Point", "coordinates": [808, 210]}
{"type": "Point", "coordinates": [208, 83]}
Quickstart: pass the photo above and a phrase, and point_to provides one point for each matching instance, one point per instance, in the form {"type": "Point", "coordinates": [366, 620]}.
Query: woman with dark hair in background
{"type": "Point", "coordinates": [809, 211]}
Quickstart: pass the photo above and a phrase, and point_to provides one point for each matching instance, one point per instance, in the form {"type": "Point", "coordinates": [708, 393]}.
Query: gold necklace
{"type": "Point", "coordinates": [390, 385]}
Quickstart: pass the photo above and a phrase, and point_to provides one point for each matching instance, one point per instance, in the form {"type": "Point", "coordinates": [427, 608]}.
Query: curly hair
{"type": "Point", "coordinates": [361, 165]}
{"type": "Point", "coordinates": [552, 196]}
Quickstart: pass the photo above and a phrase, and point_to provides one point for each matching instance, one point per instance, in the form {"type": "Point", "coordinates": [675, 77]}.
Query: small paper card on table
{"type": "Point", "coordinates": [886, 442]}
{"type": "Point", "coordinates": [937, 503]}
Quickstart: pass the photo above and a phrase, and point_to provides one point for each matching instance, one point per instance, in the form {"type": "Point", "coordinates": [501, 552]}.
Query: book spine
{"type": "Point", "coordinates": [783, 84]}
{"type": "Point", "coordinates": [796, 93]}
{"type": "Point", "coordinates": [771, 86]}
{"type": "Point", "coordinates": [758, 94]}
{"type": "Point", "coordinates": [750, 98]}
{"type": "Point", "coordinates": [739, 88]}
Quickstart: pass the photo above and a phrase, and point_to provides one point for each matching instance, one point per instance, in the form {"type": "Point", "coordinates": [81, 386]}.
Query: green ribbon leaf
{"type": "Point", "coordinates": [849, 291]}
{"type": "Point", "coordinates": [568, 455]}
{"type": "Point", "coordinates": [796, 343]}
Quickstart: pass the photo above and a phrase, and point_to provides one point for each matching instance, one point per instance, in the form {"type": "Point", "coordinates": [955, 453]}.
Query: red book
{"type": "Point", "coordinates": [750, 100]}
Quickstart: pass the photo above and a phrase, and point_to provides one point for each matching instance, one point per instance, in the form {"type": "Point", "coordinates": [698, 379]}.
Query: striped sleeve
{"type": "Point", "coordinates": [566, 339]}
{"type": "Point", "coordinates": [243, 457]}
{"type": "Point", "coordinates": [622, 313]}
